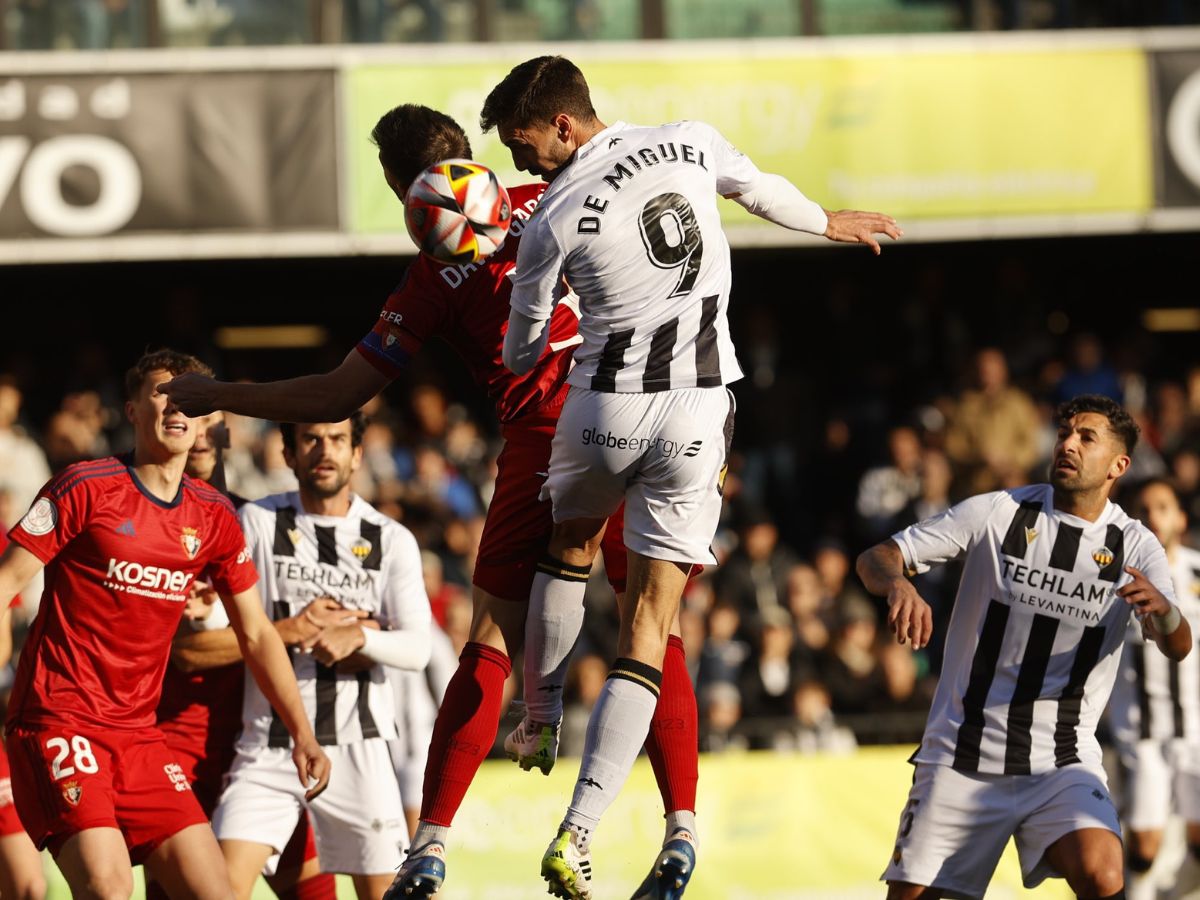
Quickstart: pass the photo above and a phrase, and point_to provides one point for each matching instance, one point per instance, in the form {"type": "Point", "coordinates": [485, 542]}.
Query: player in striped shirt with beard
{"type": "Point", "coordinates": [1155, 711]}
{"type": "Point", "coordinates": [323, 541]}
{"type": "Point", "coordinates": [630, 220]}
{"type": "Point", "coordinates": [1052, 573]}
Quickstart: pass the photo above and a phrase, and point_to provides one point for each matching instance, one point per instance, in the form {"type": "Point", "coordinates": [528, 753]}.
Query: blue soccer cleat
{"type": "Point", "coordinates": [421, 874]}
{"type": "Point", "coordinates": [672, 870]}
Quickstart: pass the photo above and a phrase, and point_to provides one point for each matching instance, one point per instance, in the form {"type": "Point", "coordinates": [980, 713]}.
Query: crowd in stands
{"type": "Point", "coordinates": [786, 649]}
{"type": "Point", "coordinates": [104, 24]}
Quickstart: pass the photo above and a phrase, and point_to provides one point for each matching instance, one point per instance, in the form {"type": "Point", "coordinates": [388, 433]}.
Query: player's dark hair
{"type": "Point", "coordinates": [535, 92]}
{"type": "Point", "coordinates": [411, 138]}
{"type": "Point", "coordinates": [1119, 420]}
{"type": "Point", "coordinates": [358, 426]}
{"type": "Point", "coordinates": [164, 360]}
{"type": "Point", "coordinates": [1141, 487]}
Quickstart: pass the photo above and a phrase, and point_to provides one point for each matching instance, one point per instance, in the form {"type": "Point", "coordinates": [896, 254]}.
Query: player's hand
{"type": "Point", "coordinates": [325, 612]}
{"type": "Point", "coordinates": [850, 226]}
{"type": "Point", "coordinates": [199, 605]}
{"type": "Point", "coordinates": [1144, 597]}
{"type": "Point", "coordinates": [192, 393]}
{"type": "Point", "coordinates": [312, 765]}
{"type": "Point", "coordinates": [909, 616]}
{"type": "Point", "coordinates": [335, 643]}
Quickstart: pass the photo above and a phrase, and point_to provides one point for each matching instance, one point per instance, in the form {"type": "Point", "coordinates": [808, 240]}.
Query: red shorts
{"type": "Point", "coordinates": [69, 778]}
{"type": "Point", "coordinates": [518, 525]}
{"type": "Point", "coordinates": [10, 822]}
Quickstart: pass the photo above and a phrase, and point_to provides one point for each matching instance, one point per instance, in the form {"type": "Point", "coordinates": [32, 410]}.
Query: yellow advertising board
{"type": "Point", "coordinates": [937, 133]}
{"type": "Point", "coordinates": [772, 827]}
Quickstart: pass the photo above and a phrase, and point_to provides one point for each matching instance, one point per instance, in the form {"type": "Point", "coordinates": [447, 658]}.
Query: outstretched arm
{"type": "Point", "coordinates": [269, 664]}
{"type": "Point", "coordinates": [881, 569]}
{"type": "Point", "coordinates": [330, 397]}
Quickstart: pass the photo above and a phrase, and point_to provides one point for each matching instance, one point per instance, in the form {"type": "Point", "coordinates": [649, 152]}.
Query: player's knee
{"type": "Point", "coordinates": [109, 884]}
{"type": "Point", "coordinates": [1102, 880]}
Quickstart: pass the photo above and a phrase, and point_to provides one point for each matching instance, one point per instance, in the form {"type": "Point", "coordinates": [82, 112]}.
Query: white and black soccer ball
{"type": "Point", "coordinates": [457, 211]}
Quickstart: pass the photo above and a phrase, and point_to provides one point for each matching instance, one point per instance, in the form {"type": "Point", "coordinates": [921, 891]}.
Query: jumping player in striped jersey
{"type": "Point", "coordinates": [1052, 573]}
{"type": "Point", "coordinates": [122, 540]}
{"type": "Point", "coordinates": [631, 221]}
{"type": "Point", "coordinates": [1155, 709]}
{"type": "Point", "coordinates": [468, 307]}
{"type": "Point", "coordinates": [323, 541]}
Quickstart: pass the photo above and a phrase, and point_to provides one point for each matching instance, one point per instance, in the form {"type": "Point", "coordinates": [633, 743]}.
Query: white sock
{"type": "Point", "coordinates": [685, 819]}
{"type": "Point", "coordinates": [616, 731]}
{"type": "Point", "coordinates": [427, 832]}
{"type": "Point", "coordinates": [551, 628]}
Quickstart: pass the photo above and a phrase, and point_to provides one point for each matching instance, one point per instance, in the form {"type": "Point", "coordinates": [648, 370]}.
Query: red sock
{"type": "Point", "coordinates": [319, 887]}
{"type": "Point", "coordinates": [465, 730]}
{"type": "Point", "coordinates": [672, 743]}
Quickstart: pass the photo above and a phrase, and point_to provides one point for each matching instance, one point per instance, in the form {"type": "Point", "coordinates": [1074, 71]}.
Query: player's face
{"type": "Point", "coordinates": [1162, 514]}
{"type": "Point", "coordinates": [1087, 454]}
{"type": "Point", "coordinates": [324, 459]}
{"type": "Point", "coordinates": [159, 427]}
{"type": "Point", "coordinates": [541, 150]}
{"type": "Point", "coordinates": [202, 458]}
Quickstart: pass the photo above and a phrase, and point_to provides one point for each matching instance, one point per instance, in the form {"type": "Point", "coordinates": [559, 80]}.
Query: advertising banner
{"type": "Point", "coordinates": [936, 134]}
{"type": "Point", "coordinates": [122, 153]}
{"type": "Point", "coordinates": [772, 827]}
{"type": "Point", "coordinates": [1177, 127]}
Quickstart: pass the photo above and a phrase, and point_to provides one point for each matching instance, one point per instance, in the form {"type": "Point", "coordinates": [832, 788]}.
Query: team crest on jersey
{"type": "Point", "coordinates": [191, 542]}
{"type": "Point", "coordinates": [1030, 534]}
{"type": "Point", "coordinates": [41, 518]}
{"type": "Point", "coordinates": [1103, 557]}
{"type": "Point", "coordinates": [294, 536]}
{"type": "Point", "coordinates": [361, 548]}
{"type": "Point", "coordinates": [71, 792]}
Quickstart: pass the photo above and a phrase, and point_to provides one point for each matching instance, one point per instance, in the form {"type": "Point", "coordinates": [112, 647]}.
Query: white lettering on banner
{"type": "Point", "coordinates": [58, 103]}
{"type": "Point", "coordinates": [131, 573]}
{"type": "Point", "coordinates": [12, 101]}
{"type": "Point", "coordinates": [41, 185]}
{"type": "Point", "coordinates": [1183, 137]}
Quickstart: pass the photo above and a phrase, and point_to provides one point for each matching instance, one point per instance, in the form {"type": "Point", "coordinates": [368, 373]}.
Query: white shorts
{"type": "Point", "coordinates": [1161, 777]}
{"type": "Point", "coordinates": [664, 454]}
{"type": "Point", "coordinates": [358, 823]}
{"type": "Point", "coordinates": [956, 825]}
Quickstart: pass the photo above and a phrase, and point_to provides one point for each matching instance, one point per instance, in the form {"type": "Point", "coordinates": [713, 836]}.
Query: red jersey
{"type": "Point", "coordinates": [119, 564]}
{"type": "Point", "coordinates": [468, 307]}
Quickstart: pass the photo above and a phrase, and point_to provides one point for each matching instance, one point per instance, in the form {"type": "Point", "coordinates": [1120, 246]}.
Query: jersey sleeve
{"type": "Point", "coordinates": [735, 172]}
{"type": "Point", "coordinates": [946, 536]}
{"type": "Point", "coordinates": [59, 513]}
{"type": "Point", "coordinates": [537, 278]}
{"type": "Point", "coordinates": [404, 608]}
{"type": "Point", "coordinates": [231, 568]}
{"type": "Point", "coordinates": [1150, 559]}
{"type": "Point", "coordinates": [414, 312]}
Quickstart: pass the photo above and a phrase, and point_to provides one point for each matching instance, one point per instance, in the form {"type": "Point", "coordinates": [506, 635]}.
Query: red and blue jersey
{"type": "Point", "coordinates": [120, 563]}
{"type": "Point", "coordinates": [467, 306]}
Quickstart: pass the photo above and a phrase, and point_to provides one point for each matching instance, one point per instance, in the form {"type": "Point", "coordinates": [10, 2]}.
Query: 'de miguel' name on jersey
{"type": "Point", "coordinates": [120, 563]}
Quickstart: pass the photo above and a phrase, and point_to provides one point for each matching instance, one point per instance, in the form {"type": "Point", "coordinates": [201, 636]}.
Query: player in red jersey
{"type": "Point", "coordinates": [200, 711]}
{"type": "Point", "coordinates": [467, 306]}
{"type": "Point", "coordinates": [121, 540]}
{"type": "Point", "coordinates": [21, 873]}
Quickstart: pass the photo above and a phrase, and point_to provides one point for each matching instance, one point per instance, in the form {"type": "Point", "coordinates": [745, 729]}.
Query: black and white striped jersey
{"type": "Point", "coordinates": [1155, 697]}
{"type": "Point", "coordinates": [364, 560]}
{"type": "Point", "coordinates": [1037, 628]}
{"type": "Point", "coordinates": [633, 225]}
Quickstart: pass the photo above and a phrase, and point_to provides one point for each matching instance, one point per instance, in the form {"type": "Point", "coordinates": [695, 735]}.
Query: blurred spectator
{"type": "Point", "coordinates": [768, 679]}
{"type": "Point", "coordinates": [815, 729]}
{"type": "Point", "coordinates": [1087, 372]}
{"type": "Point", "coordinates": [723, 653]}
{"type": "Point", "coordinates": [23, 465]}
{"type": "Point", "coordinates": [811, 616]}
{"type": "Point", "coordinates": [1172, 428]}
{"type": "Point", "coordinates": [832, 564]}
{"type": "Point", "coordinates": [442, 594]}
{"type": "Point", "coordinates": [993, 433]}
{"type": "Point", "coordinates": [885, 490]}
{"type": "Point", "coordinates": [851, 669]}
{"type": "Point", "coordinates": [720, 712]}
{"type": "Point", "coordinates": [754, 578]}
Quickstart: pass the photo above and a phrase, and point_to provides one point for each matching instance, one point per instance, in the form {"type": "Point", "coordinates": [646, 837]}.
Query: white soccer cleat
{"type": "Point", "coordinates": [421, 874]}
{"type": "Point", "coordinates": [533, 744]}
{"type": "Point", "coordinates": [567, 869]}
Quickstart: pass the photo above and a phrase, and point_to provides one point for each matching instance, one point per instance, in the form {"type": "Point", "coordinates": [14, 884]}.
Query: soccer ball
{"type": "Point", "coordinates": [457, 211]}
